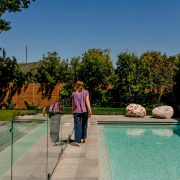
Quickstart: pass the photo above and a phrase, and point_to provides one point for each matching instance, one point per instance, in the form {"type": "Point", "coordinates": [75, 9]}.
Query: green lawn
{"type": "Point", "coordinates": [6, 115]}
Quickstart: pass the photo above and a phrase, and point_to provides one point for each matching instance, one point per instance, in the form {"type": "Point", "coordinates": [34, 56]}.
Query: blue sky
{"type": "Point", "coordinates": [71, 27]}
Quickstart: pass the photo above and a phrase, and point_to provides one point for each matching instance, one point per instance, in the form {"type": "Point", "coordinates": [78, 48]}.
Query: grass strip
{"type": "Point", "coordinates": [6, 114]}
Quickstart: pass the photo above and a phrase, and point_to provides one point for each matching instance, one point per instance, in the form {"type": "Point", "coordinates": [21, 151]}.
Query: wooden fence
{"type": "Point", "coordinates": [43, 94]}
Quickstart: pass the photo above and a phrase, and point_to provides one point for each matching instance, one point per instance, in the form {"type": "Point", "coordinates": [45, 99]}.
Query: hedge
{"type": "Point", "coordinates": [106, 111]}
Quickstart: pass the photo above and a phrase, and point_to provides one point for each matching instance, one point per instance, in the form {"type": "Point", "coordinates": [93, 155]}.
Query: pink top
{"type": "Point", "coordinates": [57, 108]}
{"type": "Point", "coordinates": [79, 105]}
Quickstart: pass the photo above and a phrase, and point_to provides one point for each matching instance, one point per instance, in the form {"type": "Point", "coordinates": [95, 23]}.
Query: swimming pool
{"type": "Point", "coordinates": [139, 152]}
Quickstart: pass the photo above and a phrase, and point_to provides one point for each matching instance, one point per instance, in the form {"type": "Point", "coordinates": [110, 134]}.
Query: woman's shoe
{"type": "Point", "coordinates": [84, 140]}
{"type": "Point", "coordinates": [78, 145]}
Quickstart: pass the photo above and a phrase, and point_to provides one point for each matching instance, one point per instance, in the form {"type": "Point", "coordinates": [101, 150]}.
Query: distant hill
{"type": "Point", "coordinates": [27, 66]}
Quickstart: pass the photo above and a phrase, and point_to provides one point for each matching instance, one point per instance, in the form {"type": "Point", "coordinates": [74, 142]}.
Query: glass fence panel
{"type": "Point", "coordinates": [64, 130]}
{"type": "Point", "coordinates": [5, 149]}
{"type": "Point", "coordinates": [30, 147]}
{"type": "Point", "coordinates": [71, 128]}
{"type": "Point", "coordinates": [54, 141]}
{"type": "Point", "coordinates": [60, 130]}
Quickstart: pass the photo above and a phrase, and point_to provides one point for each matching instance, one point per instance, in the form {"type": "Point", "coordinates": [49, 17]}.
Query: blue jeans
{"type": "Point", "coordinates": [80, 126]}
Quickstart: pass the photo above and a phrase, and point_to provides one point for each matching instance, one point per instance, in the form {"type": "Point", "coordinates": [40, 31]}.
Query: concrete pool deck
{"type": "Point", "coordinates": [82, 163]}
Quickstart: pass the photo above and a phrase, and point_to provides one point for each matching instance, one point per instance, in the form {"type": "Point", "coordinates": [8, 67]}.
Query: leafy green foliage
{"type": "Point", "coordinates": [65, 94]}
{"type": "Point", "coordinates": [101, 98]}
{"type": "Point", "coordinates": [4, 26]}
{"type": "Point", "coordinates": [126, 71]}
{"type": "Point", "coordinates": [52, 69]}
{"type": "Point", "coordinates": [9, 104]}
{"type": "Point", "coordinates": [32, 105]}
{"type": "Point", "coordinates": [148, 80]}
{"type": "Point", "coordinates": [74, 69]}
{"type": "Point", "coordinates": [10, 71]}
{"type": "Point", "coordinates": [162, 73]}
{"type": "Point", "coordinates": [96, 68]}
{"type": "Point", "coordinates": [11, 6]}
{"type": "Point", "coordinates": [144, 80]}
{"type": "Point", "coordinates": [175, 95]}
{"type": "Point", "coordinates": [15, 114]}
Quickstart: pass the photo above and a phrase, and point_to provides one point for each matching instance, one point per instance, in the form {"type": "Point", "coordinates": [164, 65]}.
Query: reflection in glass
{"type": "Point", "coordinates": [55, 128]}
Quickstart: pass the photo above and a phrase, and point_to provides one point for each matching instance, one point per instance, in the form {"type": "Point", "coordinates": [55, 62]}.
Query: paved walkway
{"type": "Point", "coordinates": [80, 163]}
{"type": "Point", "coordinates": [83, 163]}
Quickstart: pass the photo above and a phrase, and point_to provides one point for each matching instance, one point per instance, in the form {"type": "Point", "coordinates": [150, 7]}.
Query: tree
{"type": "Point", "coordinates": [10, 71]}
{"type": "Point", "coordinates": [52, 69]}
{"type": "Point", "coordinates": [144, 80]}
{"type": "Point", "coordinates": [162, 73]}
{"type": "Point", "coordinates": [175, 96]}
{"type": "Point", "coordinates": [11, 6]}
{"type": "Point", "coordinates": [96, 69]}
{"type": "Point", "coordinates": [127, 86]}
{"type": "Point", "coordinates": [74, 68]}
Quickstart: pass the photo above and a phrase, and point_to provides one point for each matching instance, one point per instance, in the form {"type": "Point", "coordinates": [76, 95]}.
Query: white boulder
{"type": "Point", "coordinates": [163, 112]}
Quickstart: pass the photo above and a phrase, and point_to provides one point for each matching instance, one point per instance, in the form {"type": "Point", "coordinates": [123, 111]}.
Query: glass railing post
{"type": "Point", "coordinates": [12, 141]}
{"type": "Point", "coordinates": [47, 146]}
{"type": "Point", "coordinates": [48, 177]}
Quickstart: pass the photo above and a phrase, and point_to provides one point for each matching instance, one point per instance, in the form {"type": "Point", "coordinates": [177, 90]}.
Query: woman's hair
{"type": "Point", "coordinates": [79, 86]}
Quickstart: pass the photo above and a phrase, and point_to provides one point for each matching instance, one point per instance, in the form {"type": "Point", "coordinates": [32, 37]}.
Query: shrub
{"type": "Point", "coordinates": [15, 114]}
{"type": "Point", "coordinates": [9, 104]}
{"type": "Point", "coordinates": [31, 105]}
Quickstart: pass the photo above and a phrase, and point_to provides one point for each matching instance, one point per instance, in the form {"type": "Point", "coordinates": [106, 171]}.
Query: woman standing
{"type": "Point", "coordinates": [81, 107]}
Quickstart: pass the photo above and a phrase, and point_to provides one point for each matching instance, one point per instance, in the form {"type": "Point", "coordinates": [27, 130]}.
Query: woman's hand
{"type": "Point", "coordinates": [88, 105]}
{"type": "Point", "coordinates": [90, 114]}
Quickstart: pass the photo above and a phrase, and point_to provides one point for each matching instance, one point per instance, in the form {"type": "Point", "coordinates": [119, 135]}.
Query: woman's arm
{"type": "Point", "coordinates": [72, 104]}
{"type": "Point", "coordinates": [88, 105]}
{"type": "Point", "coordinates": [44, 112]}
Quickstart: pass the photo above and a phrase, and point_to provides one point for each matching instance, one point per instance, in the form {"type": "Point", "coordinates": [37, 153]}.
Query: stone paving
{"type": "Point", "coordinates": [80, 163]}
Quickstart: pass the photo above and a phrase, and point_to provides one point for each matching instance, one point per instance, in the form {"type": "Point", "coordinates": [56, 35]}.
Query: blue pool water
{"type": "Point", "coordinates": [139, 152]}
